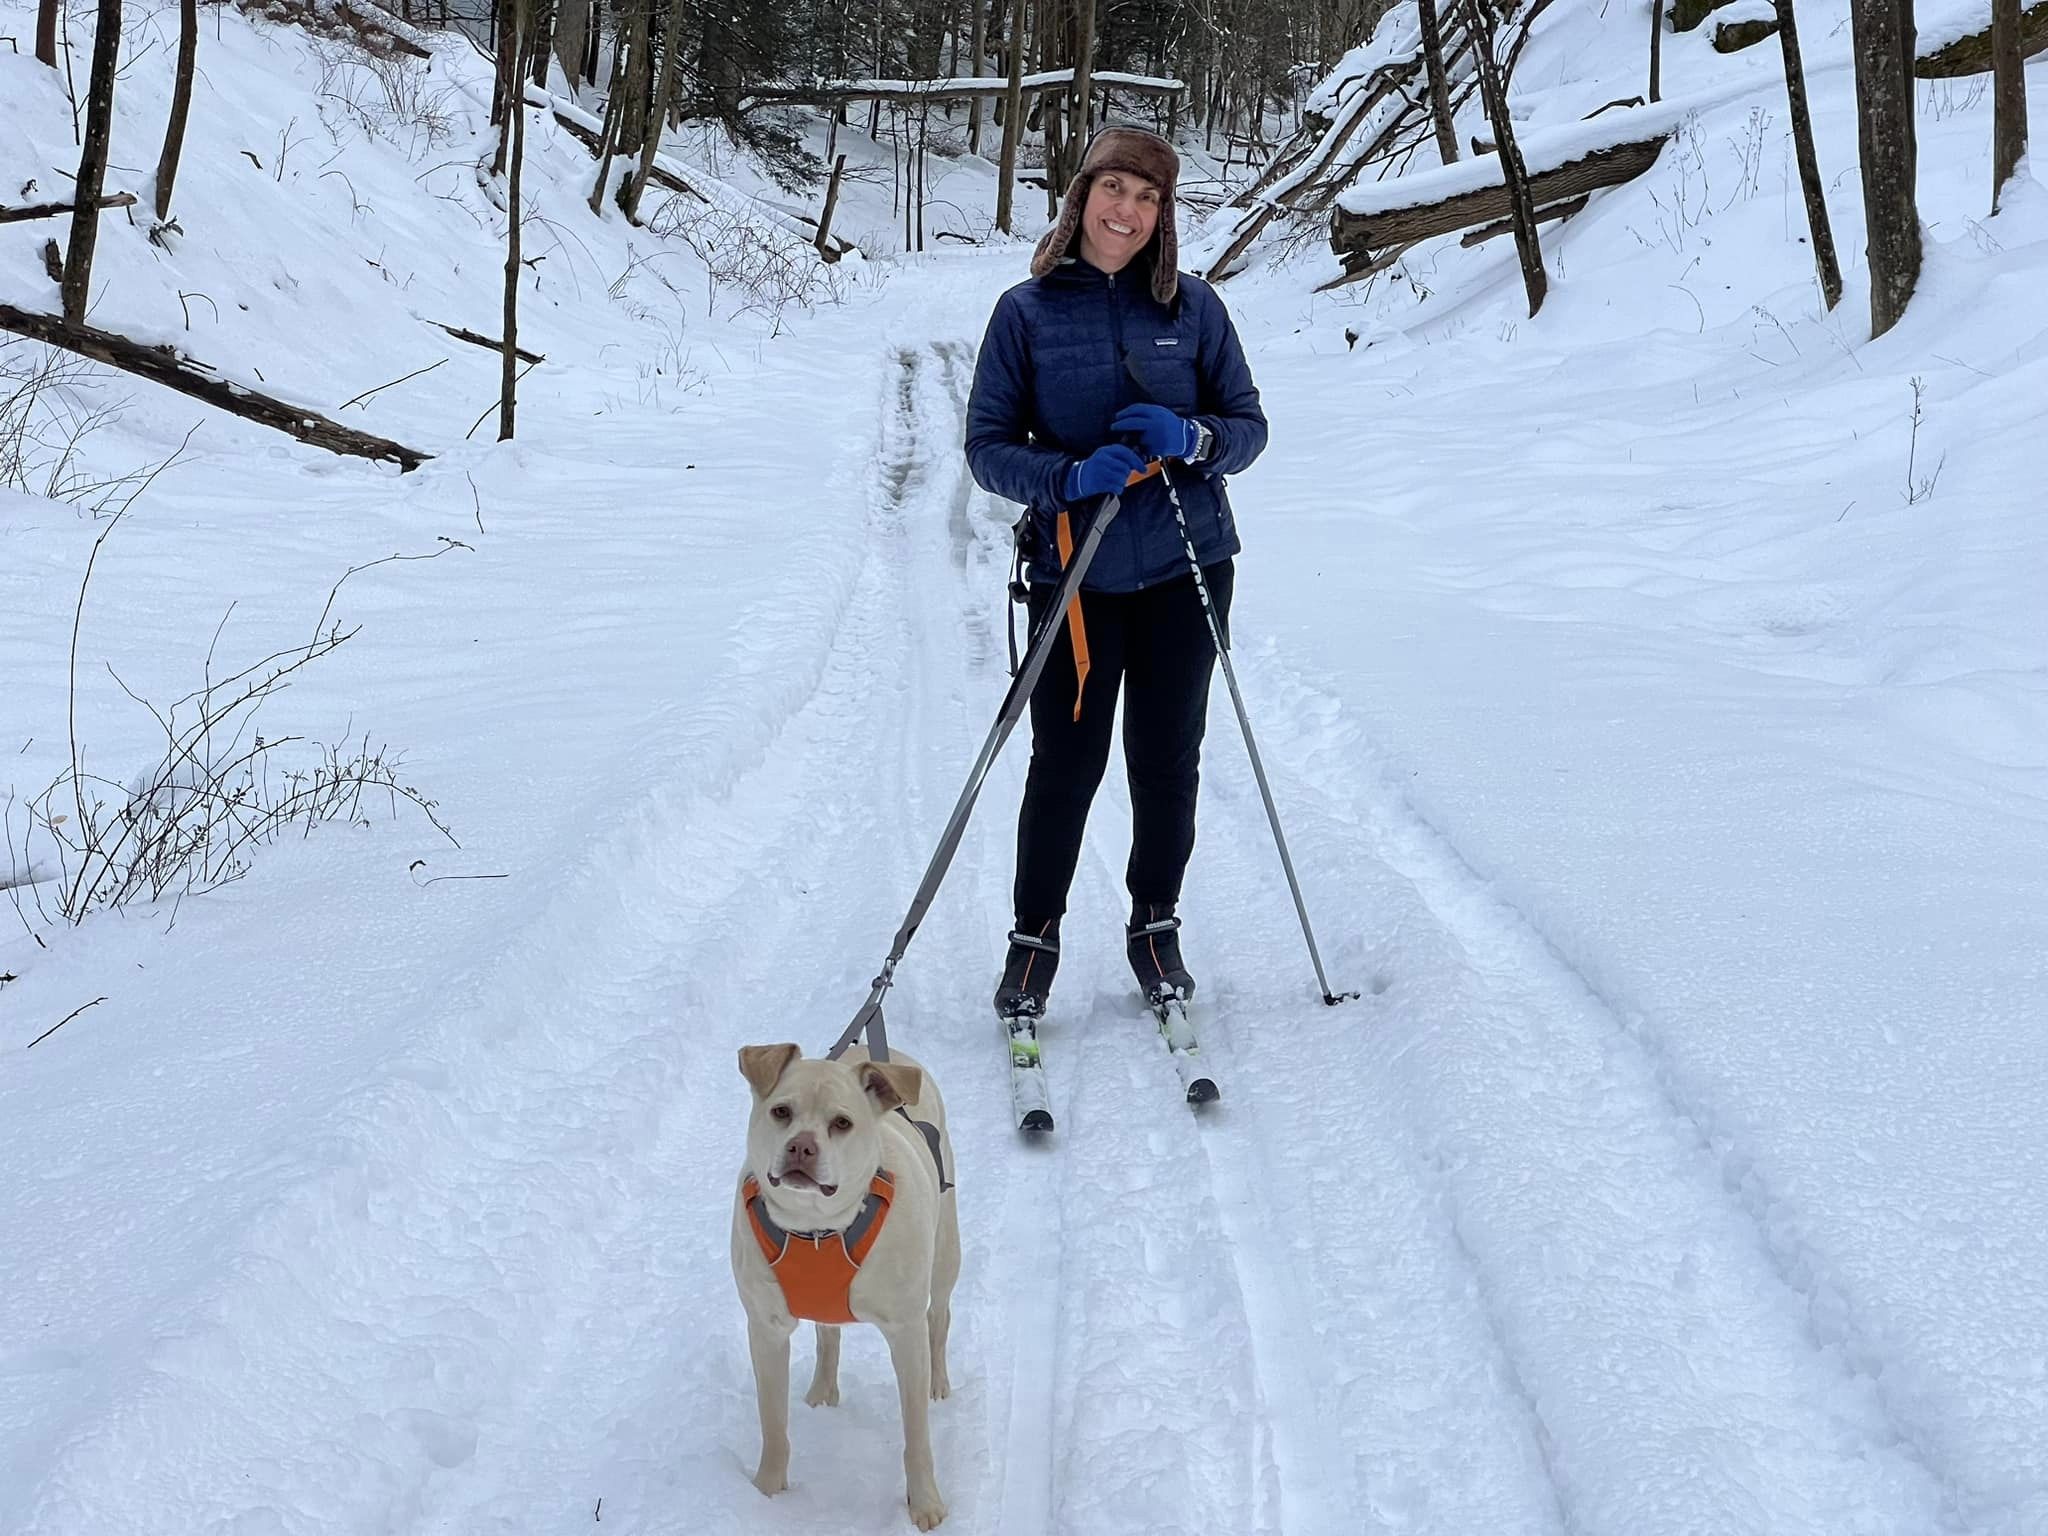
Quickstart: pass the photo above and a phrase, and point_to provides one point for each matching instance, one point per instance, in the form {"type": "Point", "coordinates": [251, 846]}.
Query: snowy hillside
{"type": "Point", "coordinates": [1658, 712]}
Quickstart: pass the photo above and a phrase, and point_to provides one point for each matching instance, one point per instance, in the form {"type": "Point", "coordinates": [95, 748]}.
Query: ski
{"type": "Point", "coordinates": [1178, 1031]}
{"type": "Point", "coordinates": [1028, 1094]}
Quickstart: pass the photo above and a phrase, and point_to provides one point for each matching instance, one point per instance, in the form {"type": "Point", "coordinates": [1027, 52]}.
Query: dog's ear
{"type": "Point", "coordinates": [890, 1083]}
{"type": "Point", "coordinates": [763, 1065]}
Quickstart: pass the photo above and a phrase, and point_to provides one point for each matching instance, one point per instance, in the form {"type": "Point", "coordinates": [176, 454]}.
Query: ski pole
{"type": "Point", "coordinates": [869, 1019]}
{"type": "Point", "coordinates": [1251, 746]}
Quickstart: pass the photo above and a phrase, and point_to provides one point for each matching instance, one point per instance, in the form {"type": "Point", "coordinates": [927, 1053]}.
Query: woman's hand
{"type": "Point", "coordinates": [1161, 433]}
{"type": "Point", "coordinates": [1103, 471]}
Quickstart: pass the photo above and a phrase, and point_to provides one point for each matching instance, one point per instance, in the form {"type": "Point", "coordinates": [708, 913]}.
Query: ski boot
{"type": "Point", "coordinates": [1028, 969]}
{"type": "Point", "coordinates": [1153, 940]}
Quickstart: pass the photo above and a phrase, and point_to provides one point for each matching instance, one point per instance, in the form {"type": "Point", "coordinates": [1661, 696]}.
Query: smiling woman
{"type": "Point", "coordinates": [1107, 360]}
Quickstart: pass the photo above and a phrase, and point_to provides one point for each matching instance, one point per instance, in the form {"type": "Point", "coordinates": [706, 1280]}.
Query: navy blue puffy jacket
{"type": "Point", "coordinates": [1063, 354]}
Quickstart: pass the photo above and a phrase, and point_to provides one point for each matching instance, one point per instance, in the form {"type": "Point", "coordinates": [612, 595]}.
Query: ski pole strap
{"type": "Point", "coordinates": [1074, 621]}
{"type": "Point", "coordinates": [869, 1018]}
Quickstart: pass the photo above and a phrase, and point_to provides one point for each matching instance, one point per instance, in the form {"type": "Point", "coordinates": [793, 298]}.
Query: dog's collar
{"type": "Point", "coordinates": [816, 1269]}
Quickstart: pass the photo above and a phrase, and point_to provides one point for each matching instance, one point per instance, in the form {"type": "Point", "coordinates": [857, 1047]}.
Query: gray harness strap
{"type": "Point", "coordinates": [870, 1209]}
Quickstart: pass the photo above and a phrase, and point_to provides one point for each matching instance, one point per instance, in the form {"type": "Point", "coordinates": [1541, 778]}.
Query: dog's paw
{"type": "Point", "coordinates": [941, 1387]}
{"type": "Point", "coordinates": [772, 1480]}
{"type": "Point", "coordinates": [823, 1397]}
{"type": "Point", "coordinates": [929, 1512]}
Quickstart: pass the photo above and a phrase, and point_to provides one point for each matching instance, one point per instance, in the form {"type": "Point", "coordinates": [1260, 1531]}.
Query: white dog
{"type": "Point", "coordinates": [845, 1213]}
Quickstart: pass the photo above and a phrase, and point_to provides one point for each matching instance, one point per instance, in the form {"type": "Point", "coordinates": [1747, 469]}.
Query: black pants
{"type": "Point", "coordinates": [1155, 646]}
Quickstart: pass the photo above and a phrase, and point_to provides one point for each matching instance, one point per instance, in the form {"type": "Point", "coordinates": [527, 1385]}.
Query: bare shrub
{"type": "Point", "coordinates": [46, 413]}
{"type": "Point", "coordinates": [759, 267]}
{"type": "Point", "coordinates": [388, 96]}
{"type": "Point", "coordinates": [218, 789]}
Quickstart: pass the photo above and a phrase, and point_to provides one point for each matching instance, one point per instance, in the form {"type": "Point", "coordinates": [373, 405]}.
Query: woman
{"type": "Point", "coordinates": [1106, 359]}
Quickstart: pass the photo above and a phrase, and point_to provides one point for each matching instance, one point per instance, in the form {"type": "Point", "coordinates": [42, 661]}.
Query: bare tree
{"type": "Point", "coordinates": [92, 161]}
{"type": "Point", "coordinates": [1439, 81]}
{"type": "Point", "coordinates": [1084, 76]}
{"type": "Point", "coordinates": [657, 117]}
{"type": "Point", "coordinates": [1825, 264]}
{"type": "Point", "coordinates": [515, 133]}
{"type": "Point", "coordinates": [1884, 36]}
{"type": "Point", "coordinates": [46, 33]}
{"type": "Point", "coordinates": [1493, 90]}
{"type": "Point", "coordinates": [977, 46]}
{"type": "Point", "coordinates": [2009, 96]}
{"type": "Point", "coordinates": [1013, 120]}
{"type": "Point", "coordinates": [571, 29]}
{"type": "Point", "coordinates": [181, 105]}
{"type": "Point", "coordinates": [1656, 50]}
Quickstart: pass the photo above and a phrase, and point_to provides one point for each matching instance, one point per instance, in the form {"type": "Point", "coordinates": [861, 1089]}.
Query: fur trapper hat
{"type": "Point", "coordinates": [1141, 153]}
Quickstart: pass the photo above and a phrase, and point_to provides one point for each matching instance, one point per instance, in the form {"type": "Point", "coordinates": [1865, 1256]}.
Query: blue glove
{"type": "Point", "coordinates": [1160, 433]}
{"type": "Point", "coordinates": [1103, 471]}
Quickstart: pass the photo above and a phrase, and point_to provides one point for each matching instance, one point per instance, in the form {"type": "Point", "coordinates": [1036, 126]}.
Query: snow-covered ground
{"type": "Point", "coordinates": [1667, 773]}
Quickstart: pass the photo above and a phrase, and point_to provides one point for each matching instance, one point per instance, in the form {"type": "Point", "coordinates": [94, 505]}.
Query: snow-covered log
{"type": "Point", "coordinates": [1564, 164]}
{"type": "Point", "coordinates": [1955, 39]}
{"type": "Point", "coordinates": [958, 88]}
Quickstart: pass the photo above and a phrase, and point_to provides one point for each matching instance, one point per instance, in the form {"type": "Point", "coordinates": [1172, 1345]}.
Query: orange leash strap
{"type": "Point", "coordinates": [1080, 630]}
{"type": "Point", "coordinates": [1065, 530]}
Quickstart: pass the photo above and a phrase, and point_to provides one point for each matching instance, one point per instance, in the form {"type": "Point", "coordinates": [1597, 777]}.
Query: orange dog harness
{"type": "Point", "coordinates": [816, 1269]}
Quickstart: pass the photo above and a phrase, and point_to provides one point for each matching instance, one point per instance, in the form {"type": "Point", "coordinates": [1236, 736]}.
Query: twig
{"type": "Point", "coordinates": [366, 394]}
{"type": "Point", "coordinates": [74, 1013]}
{"type": "Point", "coordinates": [418, 864]}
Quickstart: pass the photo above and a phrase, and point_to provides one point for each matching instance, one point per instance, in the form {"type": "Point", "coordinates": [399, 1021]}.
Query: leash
{"type": "Point", "coordinates": [868, 1021]}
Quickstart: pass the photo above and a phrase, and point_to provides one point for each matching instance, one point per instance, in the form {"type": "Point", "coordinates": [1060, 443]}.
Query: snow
{"type": "Point", "coordinates": [1662, 759]}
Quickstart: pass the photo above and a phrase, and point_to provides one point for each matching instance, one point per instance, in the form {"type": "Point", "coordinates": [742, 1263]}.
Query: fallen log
{"type": "Point", "coordinates": [357, 21]}
{"type": "Point", "coordinates": [830, 93]}
{"type": "Point", "coordinates": [1544, 215]}
{"type": "Point", "coordinates": [167, 366]}
{"type": "Point", "coordinates": [52, 210]}
{"type": "Point", "coordinates": [1564, 164]}
{"type": "Point", "coordinates": [1945, 55]}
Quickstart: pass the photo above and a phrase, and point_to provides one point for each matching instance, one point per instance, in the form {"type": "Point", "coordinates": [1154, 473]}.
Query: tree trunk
{"type": "Point", "coordinates": [1825, 264]}
{"type": "Point", "coordinates": [1013, 120]}
{"type": "Point", "coordinates": [671, 73]}
{"type": "Point", "coordinates": [1656, 50]}
{"type": "Point", "coordinates": [1084, 78]}
{"type": "Point", "coordinates": [540, 48]}
{"type": "Point", "coordinates": [92, 161]}
{"type": "Point", "coordinates": [977, 47]}
{"type": "Point", "coordinates": [2008, 96]}
{"type": "Point", "coordinates": [1512, 171]}
{"type": "Point", "coordinates": [572, 24]}
{"type": "Point", "coordinates": [639, 66]}
{"type": "Point", "coordinates": [615, 106]}
{"type": "Point", "coordinates": [181, 105]}
{"type": "Point", "coordinates": [46, 33]}
{"type": "Point", "coordinates": [515, 135]}
{"type": "Point", "coordinates": [1883, 41]}
{"type": "Point", "coordinates": [506, 87]}
{"type": "Point", "coordinates": [1439, 81]}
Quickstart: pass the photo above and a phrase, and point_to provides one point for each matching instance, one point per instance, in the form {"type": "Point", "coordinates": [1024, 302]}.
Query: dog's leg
{"type": "Point", "coordinates": [910, 1349]}
{"type": "Point", "coordinates": [945, 1270]}
{"type": "Point", "coordinates": [824, 1391]}
{"type": "Point", "coordinates": [770, 1347]}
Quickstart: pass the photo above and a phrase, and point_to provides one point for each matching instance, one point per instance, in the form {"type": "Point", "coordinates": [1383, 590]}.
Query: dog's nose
{"type": "Point", "coordinates": [802, 1152]}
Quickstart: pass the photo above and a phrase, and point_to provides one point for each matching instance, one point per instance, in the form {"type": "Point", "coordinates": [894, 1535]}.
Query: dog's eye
{"type": "Point", "coordinates": [841, 1125]}
{"type": "Point", "coordinates": [779, 1114]}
